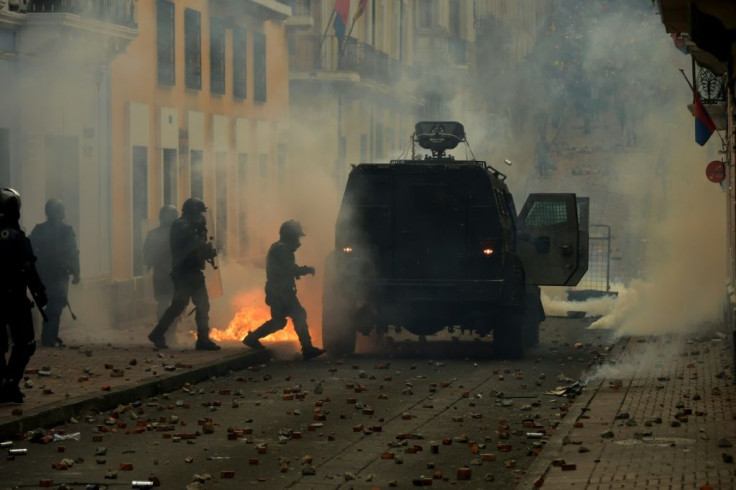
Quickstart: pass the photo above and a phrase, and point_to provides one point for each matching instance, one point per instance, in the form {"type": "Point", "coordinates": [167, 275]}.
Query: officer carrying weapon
{"type": "Point", "coordinates": [189, 252]}
{"type": "Point", "coordinates": [55, 246]}
{"type": "Point", "coordinates": [19, 275]}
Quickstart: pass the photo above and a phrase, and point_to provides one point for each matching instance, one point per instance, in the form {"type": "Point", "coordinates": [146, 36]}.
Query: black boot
{"type": "Point", "coordinates": [311, 352]}
{"type": "Point", "coordinates": [10, 393]}
{"type": "Point", "coordinates": [252, 341]}
{"type": "Point", "coordinates": [158, 342]}
{"type": "Point", "coordinates": [206, 344]}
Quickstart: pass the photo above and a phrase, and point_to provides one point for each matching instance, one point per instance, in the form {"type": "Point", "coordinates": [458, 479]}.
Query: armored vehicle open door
{"type": "Point", "coordinates": [553, 239]}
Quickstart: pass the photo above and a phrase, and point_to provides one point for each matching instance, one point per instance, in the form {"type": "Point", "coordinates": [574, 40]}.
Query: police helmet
{"type": "Point", "coordinates": [55, 210]}
{"type": "Point", "coordinates": [9, 204]}
{"type": "Point", "coordinates": [290, 231]}
{"type": "Point", "coordinates": [193, 206]}
{"type": "Point", "coordinates": [167, 215]}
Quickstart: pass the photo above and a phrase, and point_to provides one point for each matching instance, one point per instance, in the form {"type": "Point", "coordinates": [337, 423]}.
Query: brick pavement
{"type": "Point", "coordinates": [659, 418]}
{"type": "Point", "coordinates": [88, 375]}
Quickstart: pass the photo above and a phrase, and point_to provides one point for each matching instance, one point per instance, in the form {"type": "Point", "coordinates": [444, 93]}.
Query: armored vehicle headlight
{"type": "Point", "coordinates": [347, 249]}
{"type": "Point", "coordinates": [487, 247]}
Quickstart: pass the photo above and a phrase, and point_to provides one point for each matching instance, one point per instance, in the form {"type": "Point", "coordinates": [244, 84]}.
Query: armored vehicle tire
{"type": "Point", "coordinates": [531, 329]}
{"type": "Point", "coordinates": [533, 316]}
{"type": "Point", "coordinates": [508, 335]}
{"type": "Point", "coordinates": [338, 331]}
{"type": "Point", "coordinates": [338, 334]}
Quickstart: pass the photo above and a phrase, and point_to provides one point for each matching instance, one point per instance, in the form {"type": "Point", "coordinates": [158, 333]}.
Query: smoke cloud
{"type": "Point", "coordinates": [645, 176]}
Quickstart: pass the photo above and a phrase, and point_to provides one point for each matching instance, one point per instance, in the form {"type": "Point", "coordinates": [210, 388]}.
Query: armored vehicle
{"type": "Point", "coordinates": [435, 243]}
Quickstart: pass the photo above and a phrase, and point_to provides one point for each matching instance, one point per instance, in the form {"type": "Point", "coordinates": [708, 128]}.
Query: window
{"type": "Point", "coordinates": [4, 157]}
{"type": "Point", "coordinates": [434, 105]}
{"type": "Point", "coordinates": [363, 147]}
{"type": "Point", "coordinates": [379, 141]}
{"type": "Point", "coordinates": [217, 57]}
{"type": "Point", "coordinates": [455, 18]}
{"type": "Point", "coordinates": [424, 14]}
{"type": "Point", "coordinates": [243, 202]}
{"type": "Point", "coordinates": [140, 205]}
{"type": "Point", "coordinates": [221, 198]}
{"type": "Point", "coordinates": [240, 58]}
{"type": "Point", "coordinates": [259, 66]}
{"type": "Point", "coordinates": [546, 213]}
{"type": "Point", "coordinates": [171, 177]}
{"type": "Point", "coordinates": [281, 162]}
{"type": "Point", "coordinates": [62, 174]}
{"type": "Point", "coordinates": [197, 176]}
{"type": "Point", "coordinates": [193, 48]}
{"type": "Point", "coordinates": [339, 173]}
{"type": "Point", "coordinates": [165, 44]}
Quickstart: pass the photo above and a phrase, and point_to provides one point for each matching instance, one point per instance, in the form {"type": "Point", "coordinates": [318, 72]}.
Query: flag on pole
{"type": "Point", "coordinates": [679, 43]}
{"type": "Point", "coordinates": [342, 9]}
{"type": "Point", "coordinates": [704, 125]}
{"type": "Point", "coordinates": [361, 9]}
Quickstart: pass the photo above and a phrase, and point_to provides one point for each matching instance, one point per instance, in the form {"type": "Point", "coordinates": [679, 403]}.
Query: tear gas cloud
{"type": "Point", "coordinates": [677, 225]}
{"type": "Point", "coordinates": [671, 237]}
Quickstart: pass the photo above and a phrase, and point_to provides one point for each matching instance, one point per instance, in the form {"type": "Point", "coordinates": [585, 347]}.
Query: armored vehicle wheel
{"type": "Point", "coordinates": [508, 334]}
{"type": "Point", "coordinates": [533, 316]}
{"type": "Point", "coordinates": [531, 329]}
{"type": "Point", "coordinates": [338, 330]}
{"type": "Point", "coordinates": [338, 334]}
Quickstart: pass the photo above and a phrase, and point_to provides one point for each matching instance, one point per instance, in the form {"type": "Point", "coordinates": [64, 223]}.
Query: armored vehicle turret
{"type": "Point", "coordinates": [430, 243]}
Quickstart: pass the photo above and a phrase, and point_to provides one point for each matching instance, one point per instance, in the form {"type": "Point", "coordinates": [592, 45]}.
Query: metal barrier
{"type": "Point", "coordinates": [597, 281]}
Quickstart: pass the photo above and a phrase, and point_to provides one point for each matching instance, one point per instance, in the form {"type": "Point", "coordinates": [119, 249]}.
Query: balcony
{"type": "Point", "coordinates": [99, 28]}
{"type": "Point", "coordinates": [301, 15]}
{"type": "Point", "coordinates": [120, 12]}
{"type": "Point", "coordinates": [266, 10]}
{"type": "Point", "coordinates": [713, 91]}
{"type": "Point", "coordinates": [709, 27]}
{"type": "Point", "coordinates": [310, 53]}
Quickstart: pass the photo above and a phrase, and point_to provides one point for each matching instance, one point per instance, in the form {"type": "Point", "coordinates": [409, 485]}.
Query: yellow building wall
{"type": "Point", "coordinates": [134, 80]}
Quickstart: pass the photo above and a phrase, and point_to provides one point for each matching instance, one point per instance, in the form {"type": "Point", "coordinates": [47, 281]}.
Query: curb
{"type": "Point", "coordinates": [552, 449]}
{"type": "Point", "coordinates": [59, 412]}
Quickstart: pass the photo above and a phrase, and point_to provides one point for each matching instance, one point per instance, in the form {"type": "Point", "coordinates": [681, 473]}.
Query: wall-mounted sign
{"type": "Point", "coordinates": [716, 171]}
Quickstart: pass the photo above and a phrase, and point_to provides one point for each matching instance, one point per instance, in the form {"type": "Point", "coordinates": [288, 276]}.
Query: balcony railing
{"type": "Point", "coordinates": [299, 8]}
{"type": "Point", "coordinates": [121, 12]}
{"type": "Point", "coordinates": [312, 53]}
{"type": "Point", "coordinates": [711, 86]}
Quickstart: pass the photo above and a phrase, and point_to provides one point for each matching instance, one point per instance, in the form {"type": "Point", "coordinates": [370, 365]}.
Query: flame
{"type": "Point", "coordinates": [251, 312]}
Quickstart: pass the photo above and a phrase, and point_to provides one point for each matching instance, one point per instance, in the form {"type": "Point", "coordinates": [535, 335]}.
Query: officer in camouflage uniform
{"type": "Point", "coordinates": [18, 275]}
{"type": "Point", "coordinates": [189, 252]}
{"type": "Point", "coordinates": [281, 274]}
{"type": "Point", "coordinates": [157, 256]}
{"type": "Point", "coordinates": [55, 246]}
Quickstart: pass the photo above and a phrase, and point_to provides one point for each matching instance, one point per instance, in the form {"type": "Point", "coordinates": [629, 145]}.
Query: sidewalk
{"type": "Point", "coordinates": [662, 417]}
{"type": "Point", "coordinates": [65, 382]}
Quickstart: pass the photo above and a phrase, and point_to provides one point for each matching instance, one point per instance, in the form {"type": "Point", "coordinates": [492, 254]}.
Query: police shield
{"type": "Point", "coordinates": [212, 277]}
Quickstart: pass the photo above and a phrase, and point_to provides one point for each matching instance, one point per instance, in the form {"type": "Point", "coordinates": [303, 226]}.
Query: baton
{"type": "Point", "coordinates": [74, 317]}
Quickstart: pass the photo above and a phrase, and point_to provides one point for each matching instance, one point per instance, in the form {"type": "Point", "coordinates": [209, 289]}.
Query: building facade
{"type": "Point", "coordinates": [119, 107]}
{"type": "Point", "coordinates": [199, 107]}
{"type": "Point", "coordinates": [55, 125]}
{"type": "Point", "coordinates": [707, 30]}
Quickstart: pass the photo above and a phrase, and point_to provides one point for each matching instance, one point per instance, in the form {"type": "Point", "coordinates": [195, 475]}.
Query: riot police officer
{"type": "Point", "coordinates": [55, 246]}
{"type": "Point", "coordinates": [19, 274]}
{"type": "Point", "coordinates": [189, 252]}
{"type": "Point", "coordinates": [281, 274]}
{"type": "Point", "coordinates": [157, 257]}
